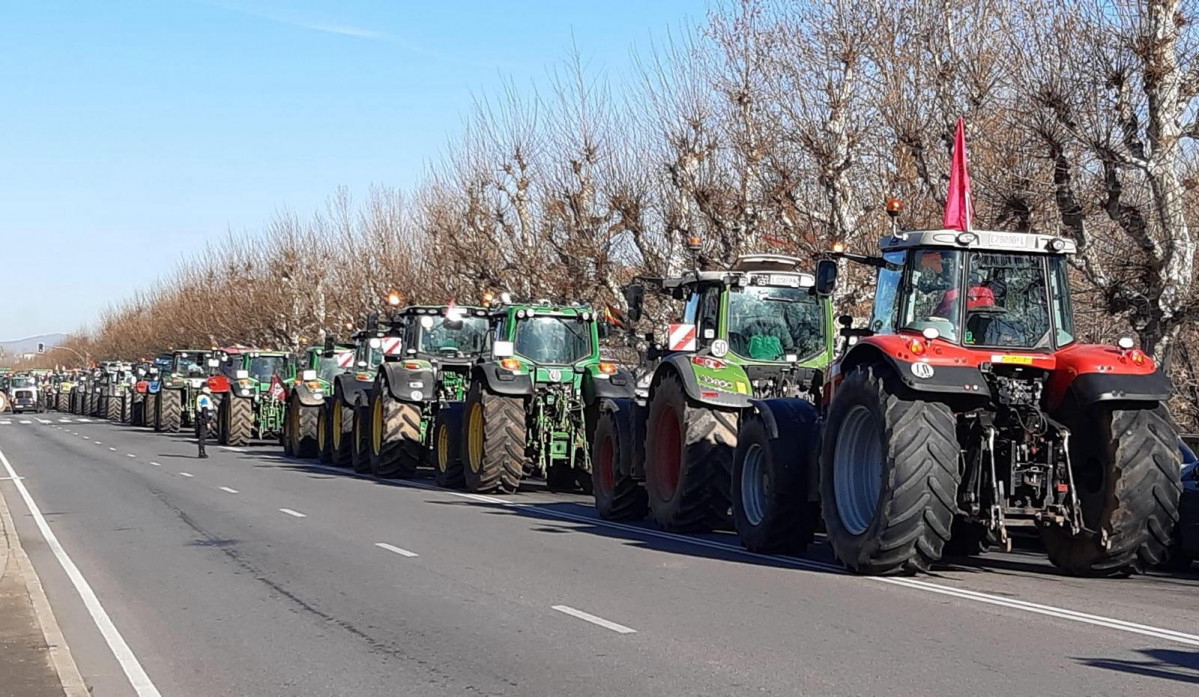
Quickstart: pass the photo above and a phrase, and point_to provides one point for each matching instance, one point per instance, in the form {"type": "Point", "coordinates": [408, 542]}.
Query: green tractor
{"type": "Point", "coordinates": [112, 396]}
{"type": "Point", "coordinates": [341, 438]}
{"type": "Point", "coordinates": [172, 396]}
{"type": "Point", "coordinates": [306, 396]}
{"type": "Point", "coordinates": [416, 401]}
{"type": "Point", "coordinates": [758, 330]}
{"type": "Point", "coordinates": [250, 392]}
{"type": "Point", "coordinates": [533, 400]}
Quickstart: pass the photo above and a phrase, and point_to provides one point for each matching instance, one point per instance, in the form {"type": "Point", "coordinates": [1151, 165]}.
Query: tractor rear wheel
{"type": "Point", "coordinates": [771, 507]}
{"type": "Point", "coordinates": [341, 432]}
{"type": "Point", "coordinates": [889, 476]}
{"type": "Point", "coordinates": [617, 495]}
{"type": "Point", "coordinates": [237, 418]}
{"type": "Point", "coordinates": [396, 448]}
{"type": "Point", "coordinates": [447, 439]}
{"type": "Point", "coordinates": [689, 455]}
{"type": "Point", "coordinates": [1127, 468]}
{"type": "Point", "coordinates": [112, 408]}
{"type": "Point", "coordinates": [169, 408]}
{"type": "Point", "coordinates": [494, 431]}
{"type": "Point", "coordinates": [324, 437]}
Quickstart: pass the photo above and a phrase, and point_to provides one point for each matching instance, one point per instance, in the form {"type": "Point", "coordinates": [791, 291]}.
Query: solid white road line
{"type": "Point", "coordinates": [397, 550]}
{"type": "Point", "coordinates": [186, 474]}
{"type": "Point", "coordinates": [290, 512]}
{"type": "Point", "coordinates": [587, 617]}
{"type": "Point", "coordinates": [227, 489]}
{"type": "Point", "coordinates": [133, 668]}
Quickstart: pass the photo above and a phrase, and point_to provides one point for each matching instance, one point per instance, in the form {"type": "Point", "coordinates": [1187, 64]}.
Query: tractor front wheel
{"type": "Point", "coordinates": [1127, 468]}
{"type": "Point", "coordinates": [771, 509]}
{"type": "Point", "coordinates": [396, 448]}
{"type": "Point", "coordinates": [689, 454]}
{"type": "Point", "coordinates": [168, 411]}
{"type": "Point", "coordinates": [617, 495]}
{"type": "Point", "coordinates": [447, 455]}
{"type": "Point", "coordinates": [494, 432]}
{"type": "Point", "coordinates": [889, 476]}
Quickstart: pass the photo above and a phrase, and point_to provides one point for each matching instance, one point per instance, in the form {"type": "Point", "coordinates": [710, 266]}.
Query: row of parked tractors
{"type": "Point", "coordinates": [964, 411]}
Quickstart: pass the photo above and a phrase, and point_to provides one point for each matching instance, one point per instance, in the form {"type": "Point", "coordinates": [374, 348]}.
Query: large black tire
{"type": "Point", "coordinates": [689, 456]}
{"type": "Point", "coordinates": [137, 411]}
{"type": "Point", "coordinates": [447, 451]}
{"type": "Point", "coordinates": [1127, 470]}
{"type": "Point", "coordinates": [304, 426]}
{"type": "Point", "coordinates": [237, 420]}
{"type": "Point", "coordinates": [494, 431]}
{"type": "Point", "coordinates": [916, 448]}
{"type": "Point", "coordinates": [396, 449]}
{"type": "Point", "coordinates": [324, 435]}
{"type": "Point", "coordinates": [341, 433]}
{"type": "Point", "coordinates": [613, 446]}
{"type": "Point", "coordinates": [360, 456]}
{"type": "Point", "coordinates": [112, 408]}
{"type": "Point", "coordinates": [63, 402]}
{"type": "Point", "coordinates": [169, 411]}
{"type": "Point", "coordinates": [772, 510]}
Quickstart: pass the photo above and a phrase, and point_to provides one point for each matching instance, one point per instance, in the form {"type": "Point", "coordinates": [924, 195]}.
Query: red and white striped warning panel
{"type": "Point", "coordinates": [391, 345]}
{"type": "Point", "coordinates": [345, 359]}
{"type": "Point", "coordinates": [681, 337]}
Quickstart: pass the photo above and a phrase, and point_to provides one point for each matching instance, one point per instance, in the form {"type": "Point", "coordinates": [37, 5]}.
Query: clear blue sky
{"type": "Point", "coordinates": [129, 125]}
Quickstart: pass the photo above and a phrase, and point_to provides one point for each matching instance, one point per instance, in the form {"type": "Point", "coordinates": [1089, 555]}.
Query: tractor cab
{"type": "Point", "coordinates": [251, 372]}
{"type": "Point", "coordinates": [546, 341]}
{"type": "Point", "coordinates": [454, 333]}
{"type": "Point", "coordinates": [762, 316]}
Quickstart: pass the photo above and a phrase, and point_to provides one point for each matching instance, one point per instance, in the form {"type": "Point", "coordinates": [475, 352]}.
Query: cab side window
{"type": "Point", "coordinates": [709, 313]}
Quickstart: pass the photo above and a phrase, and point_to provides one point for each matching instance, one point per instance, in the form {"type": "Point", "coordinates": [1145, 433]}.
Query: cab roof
{"type": "Point", "coordinates": [986, 240]}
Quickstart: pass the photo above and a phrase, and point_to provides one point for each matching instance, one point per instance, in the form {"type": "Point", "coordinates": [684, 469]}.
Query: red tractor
{"type": "Point", "coordinates": [967, 408]}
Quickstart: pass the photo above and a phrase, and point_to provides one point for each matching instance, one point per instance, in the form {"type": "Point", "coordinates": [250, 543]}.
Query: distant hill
{"type": "Point", "coordinates": [18, 346]}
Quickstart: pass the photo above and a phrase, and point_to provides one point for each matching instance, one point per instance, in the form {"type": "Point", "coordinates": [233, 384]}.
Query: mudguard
{"type": "Point", "coordinates": [920, 376]}
{"type": "Point", "coordinates": [726, 387]}
{"type": "Point", "coordinates": [306, 396]}
{"type": "Point", "coordinates": [404, 383]}
{"type": "Point", "coordinates": [354, 392]}
{"type": "Point", "coordinates": [597, 386]}
{"type": "Point", "coordinates": [1090, 388]}
{"type": "Point", "coordinates": [502, 381]}
{"type": "Point", "coordinates": [801, 418]}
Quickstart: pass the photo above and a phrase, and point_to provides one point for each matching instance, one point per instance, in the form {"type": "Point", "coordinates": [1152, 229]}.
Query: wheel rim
{"type": "Point", "coordinates": [336, 424]}
{"type": "Point", "coordinates": [755, 485]}
{"type": "Point", "coordinates": [668, 454]}
{"type": "Point", "coordinates": [607, 475]}
{"type": "Point", "coordinates": [320, 430]}
{"type": "Point", "coordinates": [474, 440]}
{"type": "Point", "coordinates": [858, 469]}
{"type": "Point", "coordinates": [443, 444]}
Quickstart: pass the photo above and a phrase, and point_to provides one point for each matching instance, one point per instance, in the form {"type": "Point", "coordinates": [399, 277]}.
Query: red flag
{"type": "Point", "coordinates": [959, 208]}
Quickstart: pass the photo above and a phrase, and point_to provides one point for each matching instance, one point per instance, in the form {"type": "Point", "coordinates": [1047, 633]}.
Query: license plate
{"type": "Point", "coordinates": [1017, 360]}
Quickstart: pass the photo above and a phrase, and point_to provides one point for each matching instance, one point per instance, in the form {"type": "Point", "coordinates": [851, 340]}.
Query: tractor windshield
{"type": "Point", "coordinates": [553, 340]}
{"type": "Point", "coordinates": [441, 335]}
{"type": "Point", "coordinates": [188, 364]}
{"type": "Point", "coordinates": [22, 382]}
{"type": "Point", "coordinates": [768, 324]}
{"type": "Point", "coordinates": [263, 368]}
{"type": "Point", "coordinates": [1007, 298]}
{"type": "Point", "coordinates": [331, 367]}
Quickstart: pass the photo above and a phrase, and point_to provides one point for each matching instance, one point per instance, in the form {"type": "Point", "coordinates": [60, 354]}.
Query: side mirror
{"type": "Point", "coordinates": [845, 321]}
{"type": "Point", "coordinates": [826, 277]}
{"type": "Point", "coordinates": [603, 329]}
{"type": "Point", "coordinates": [634, 297]}
{"type": "Point", "coordinates": [328, 350]}
{"type": "Point", "coordinates": [502, 349]}
{"type": "Point", "coordinates": [372, 322]}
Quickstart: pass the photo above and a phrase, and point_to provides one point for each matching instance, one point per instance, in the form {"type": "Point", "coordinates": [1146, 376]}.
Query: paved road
{"type": "Point", "coordinates": [250, 574]}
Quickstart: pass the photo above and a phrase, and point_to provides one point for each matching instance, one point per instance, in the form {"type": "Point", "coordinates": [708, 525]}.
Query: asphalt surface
{"type": "Point", "coordinates": [251, 574]}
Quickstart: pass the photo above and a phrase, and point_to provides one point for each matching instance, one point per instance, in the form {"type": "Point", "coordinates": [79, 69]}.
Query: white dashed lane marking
{"type": "Point", "coordinates": [588, 617]}
{"type": "Point", "coordinates": [290, 512]}
{"type": "Point", "coordinates": [186, 474]}
{"type": "Point", "coordinates": [397, 550]}
{"type": "Point", "coordinates": [228, 490]}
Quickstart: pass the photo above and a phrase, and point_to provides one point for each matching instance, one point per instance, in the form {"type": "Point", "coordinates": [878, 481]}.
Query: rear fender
{"type": "Point", "coordinates": [917, 375]}
{"type": "Point", "coordinates": [1092, 374]}
{"type": "Point", "coordinates": [501, 381]}
{"type": "Point", "coordinates": [726, 387]}
{"type": "Point", "coordinates": [597, 386]}
{"type": "Point", "coordinates": [405, 383]}
{"type": "Point", "coordinates": [354, 392]}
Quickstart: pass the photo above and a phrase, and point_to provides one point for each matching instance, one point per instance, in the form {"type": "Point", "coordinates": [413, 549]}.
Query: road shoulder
{"type": "Point", "coordinates": [34, 658]}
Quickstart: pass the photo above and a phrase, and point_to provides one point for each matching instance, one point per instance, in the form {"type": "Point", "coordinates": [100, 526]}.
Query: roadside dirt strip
{"type": "Point", "coordinates": [34, 658]}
